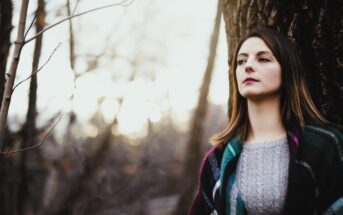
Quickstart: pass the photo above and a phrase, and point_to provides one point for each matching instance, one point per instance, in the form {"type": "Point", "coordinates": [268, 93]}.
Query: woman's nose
{"type": "Point", "coordinates": [249, 66]}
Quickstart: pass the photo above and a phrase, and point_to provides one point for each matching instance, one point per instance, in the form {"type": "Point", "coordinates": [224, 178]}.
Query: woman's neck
{"type": "Point", "coordinates": [265, 122]}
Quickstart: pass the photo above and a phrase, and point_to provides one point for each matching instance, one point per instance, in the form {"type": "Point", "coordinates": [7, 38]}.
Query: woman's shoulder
{"type": "Point", "coordinates": [329, 132]}
{"type": "Point", "coordinates": [214, 154]}
{"type": "Point", "coordinates": [212, 159]}
{"type": "Point", "coordinates": [325, 137]}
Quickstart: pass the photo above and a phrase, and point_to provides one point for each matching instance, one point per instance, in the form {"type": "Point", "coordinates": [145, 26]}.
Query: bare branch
{"type": "Point", "coordinates": [2, 157]}
{"type": "Point", "coordinates": [77, 3]}
{"type": "Point", "coordinates": [31, 24]}
{"type": "Point", "coordinates": [40, 68]}
{"type": "Point", "coordinates": [40, 143]}
{"type": "Point", "coordinates": [76, 15]}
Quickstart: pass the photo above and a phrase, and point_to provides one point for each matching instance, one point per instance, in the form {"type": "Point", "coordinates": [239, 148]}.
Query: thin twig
{"type": "Point", "coordinates": [40, 68]}
{"type": "Point", "coordinates": [76, 15]}
{"type": "Point", "coordinates": [31, 24]}
{"type": "Point", "coordinates": [2, 158]}
{"type": "Point", "coordinates": [75, 7]}
{"type": "Point", "coordinates": [40, 143]}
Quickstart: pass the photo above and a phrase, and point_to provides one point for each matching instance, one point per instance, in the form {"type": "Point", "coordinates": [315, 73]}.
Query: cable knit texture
{"type": "Point", "coordinates": [262, 176]}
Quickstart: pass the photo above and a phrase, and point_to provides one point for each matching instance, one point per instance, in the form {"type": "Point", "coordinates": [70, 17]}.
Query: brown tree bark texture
{"type": "Point", "coordinates": [315, 28]}
{"type": "Point", "coordinates": [5, 31]}
{"type": "Point", "coordinates": [7, 184]}
{"type": "Point", "coordinates": [29, 128]}
{"type": "Point", "coordinates": [12, 70]}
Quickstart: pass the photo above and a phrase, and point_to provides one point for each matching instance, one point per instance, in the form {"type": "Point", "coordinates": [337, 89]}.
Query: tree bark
{"type": "Point", "coordinates": [5, 32]}
{"type": "Point", "coordinates": [13, 70]}
{"type": "Point", "coordinates": [30, 124]}
{"type": "Point", "coordinates": [193, 147]}
{"type": "Point", "coordinates": [29, 128]}
{"type": "Point", "coordinates": [315, 28]}
{"type": "Point", "coordinates": [6, 179]}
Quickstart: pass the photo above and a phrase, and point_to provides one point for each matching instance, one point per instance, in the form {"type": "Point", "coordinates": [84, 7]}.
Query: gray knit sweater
{"type": "Point", "coordinates": [262, 174]}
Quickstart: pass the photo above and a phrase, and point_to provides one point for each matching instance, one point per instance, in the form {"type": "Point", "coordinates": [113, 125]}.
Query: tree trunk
{"type": "Point", "coordinates": [72, 114]}
{"type": "Point", "coordinates": [29, 128]}
{"type": "Point", "coordinates": [5, 32]}
{"type": "Point", "coordinates": [71, 39]}
{"type": "Point", "coordinates": [19, 43]}
{"type": "Point", "coordinates": [315, 28]}
{"type": "Point", "coordinates": [193, 147]}
{"type": "Point", "coordinates": [7, 177]}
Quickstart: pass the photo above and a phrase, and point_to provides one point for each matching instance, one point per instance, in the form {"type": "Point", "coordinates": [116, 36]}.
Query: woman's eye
{"type": "Point", "coordinates": [240, 62]}
{"type": "Point", "coordinates": [263, 59]}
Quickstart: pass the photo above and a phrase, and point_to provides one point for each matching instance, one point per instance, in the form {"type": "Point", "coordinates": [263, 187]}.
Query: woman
{"type": "Point", "coordinates": [278, 154]}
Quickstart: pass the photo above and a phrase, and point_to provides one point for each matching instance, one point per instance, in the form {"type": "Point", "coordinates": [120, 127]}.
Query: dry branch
{"type": "Point", "coordinates": [46, 135]}
{"type": "Point", "coordinates": [40, 68]}
{"type": "Point", "coordinates": [76, 15]}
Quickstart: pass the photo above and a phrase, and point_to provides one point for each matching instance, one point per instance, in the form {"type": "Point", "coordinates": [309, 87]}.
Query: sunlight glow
{"type": "Point", "coordinates": [90, 130]}
{"type": "Point", "coordinates": [138, 107]}
{"type": "Point", "coordinates": [154, 113]}
{"type": "Point", "coordinates": [169, 52]}
{"type": "Point", "coordinates": [109, 108]}
{"type": "Point", "coordinates": [132, 116]}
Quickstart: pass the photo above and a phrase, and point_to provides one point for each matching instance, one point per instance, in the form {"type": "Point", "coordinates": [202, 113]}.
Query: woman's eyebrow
{"type": "Point", "coordinates": [264, 52]}
{"type": "Point", "coordinates": [258, 53]}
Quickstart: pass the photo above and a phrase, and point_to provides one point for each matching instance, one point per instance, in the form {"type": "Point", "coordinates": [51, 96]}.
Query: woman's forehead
{"type": "Point", "coordinates": [254, 45]}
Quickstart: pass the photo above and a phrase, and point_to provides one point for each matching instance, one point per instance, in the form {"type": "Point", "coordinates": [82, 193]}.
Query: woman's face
{"type": "Point", "coordinates": [258, 73]}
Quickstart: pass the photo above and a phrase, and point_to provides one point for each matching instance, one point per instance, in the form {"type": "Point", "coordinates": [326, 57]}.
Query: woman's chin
{"type": "Point", "coordinates": [251, 94]}
{"type": "Point", "coordinates": [255, 96]}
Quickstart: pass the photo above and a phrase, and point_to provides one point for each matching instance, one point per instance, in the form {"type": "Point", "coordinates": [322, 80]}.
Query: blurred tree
{"type": "Point", "coordinates": [72, 115]}
{"type": "Point", "coordinates": [193, 147]}
{"type": "Point", "coordinates": [18, 45]}
{"type": "Point", "coordinates": [29, 133]}
{"type": "Point", "coordinates": [5, 32]}
{"type": "Point", "coordinates": [67, 202]}
{"type": "Point", "coordinates": [71, 38]}
{"type": "Point", "coordinates": [6, 187]}
{"type": "Point", "coordinates": [316, 29]}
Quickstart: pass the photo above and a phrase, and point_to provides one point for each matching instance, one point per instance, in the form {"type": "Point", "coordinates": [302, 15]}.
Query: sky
{"type": "Point", "coordinates": [165, 43]}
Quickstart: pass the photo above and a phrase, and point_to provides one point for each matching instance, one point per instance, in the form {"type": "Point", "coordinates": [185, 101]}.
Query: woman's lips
{"type": "Point", "coordinates": [249, 80]}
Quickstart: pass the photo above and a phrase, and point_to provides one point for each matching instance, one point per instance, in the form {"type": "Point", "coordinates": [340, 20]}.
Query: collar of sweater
{"type": "Point", "coordinates": [234, 147]}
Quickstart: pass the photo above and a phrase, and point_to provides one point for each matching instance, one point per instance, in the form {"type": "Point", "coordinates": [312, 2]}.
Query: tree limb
{"type": "Point", "coordinates": [31, 24]}
{"type": "Point", "coordinates": [40, 68]}
{"type": "Point", "coordinates": [38, 144]}
{"type": "Point", "coordinates": [76, 15]}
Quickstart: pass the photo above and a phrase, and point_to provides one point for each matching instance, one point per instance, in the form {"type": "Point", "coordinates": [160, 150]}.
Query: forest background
{"type": "Point", "coordinates": [110, 111]}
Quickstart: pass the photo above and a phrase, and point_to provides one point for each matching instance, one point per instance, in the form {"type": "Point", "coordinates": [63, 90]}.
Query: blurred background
{"type": "Point", "coordinates": [111, 111]}
{"type": "Point", "coordinates": [114, 107]}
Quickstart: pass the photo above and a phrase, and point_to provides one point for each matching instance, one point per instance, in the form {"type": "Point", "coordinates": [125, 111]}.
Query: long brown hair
{"type": "Point", "coordinates": [296, 103]}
